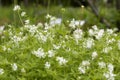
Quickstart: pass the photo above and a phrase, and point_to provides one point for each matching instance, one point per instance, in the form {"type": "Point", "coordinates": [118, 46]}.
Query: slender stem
{"type": "Point", "coordinates": [20, 18]}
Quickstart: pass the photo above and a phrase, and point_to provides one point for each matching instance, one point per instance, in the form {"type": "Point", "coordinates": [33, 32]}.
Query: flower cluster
{"type": "Point", "coordinates": [97, 33]}
{"type": "Point", "coordinates": [1, 29]}
{"type": "Point", "coordinates": [89, 43]}
{"type": "Point", "coordinates": [39, 53]}
{"type": "Point", "coordinates": [84, 66]}
{"type": "Point", "coordinates": [61, 60]}
{"type": "Point", "coordinates": [109, 75]}
{"type": "Point", "coordinates": [48, 50]}
{"type": "Point", "coordinates": [74, 23]}
{"type": "Point", "coordinates": [17, 8]}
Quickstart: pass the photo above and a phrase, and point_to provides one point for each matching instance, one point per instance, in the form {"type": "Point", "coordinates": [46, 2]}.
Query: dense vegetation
{"type": "Point", "coordinates": [59, 48]}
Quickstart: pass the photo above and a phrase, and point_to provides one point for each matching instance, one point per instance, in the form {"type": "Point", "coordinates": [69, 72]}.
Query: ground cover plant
{"type": "Point", "coordinates": [57, 50]}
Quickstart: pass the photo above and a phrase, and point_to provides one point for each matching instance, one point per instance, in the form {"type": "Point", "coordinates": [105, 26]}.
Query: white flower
{"type": "Point", "coordinates": [88, 43]}
{"type": "Point", "coordinates": [102, 64]}
{"type": "Point", "coordinates": [47, 26]}
{"type": "Point", "coordinates": [56, 46]}
{"type": "Point", "coordinates": [100, 33]}
{"type": "Point", "coordinates": [1, 29]}
{"type": "Point", "coordinates": [23, 14]}
{"type": "Point", "coordinates": [41, 37]}
{"type": "Point", "coordinates": [47, 65]}
{"type": "Point", "coordinates": [82, 70]}
{"type": "Point", "coordinates": [106, 75]}
{"type": "Point", "coordinates": [107, 49]}
{"type": "Point", "coordinates": [27, 21]}
{"type": "Point", "coordinates": [50, 53]}
{"type": "Point", "coordinates": [48, 16]}
{"type": "Point", "coordinates": [72, 24]}
{"type": "Point", "coordinates": [61, 60]}
{"type": "Point", "coordinates": [95, 27]}
{"type": "Point", "coordinates": [1, 71]}
{"type": "Point", "coordinates": [110, 40]}
{"type": "Point", "coordinates": [39, 53]}
{"type": "Point", "coordinates": [83, 66]}
{"type": "Point", "coordinates": [9, 49]}
{"type": "Point", "coordinates": [109, 74]}
{"type": "Point", "coordinates": [91, 32]}
{"type": "Point", "coordinates": [94, 55]}
{"type": "Point", "coordinates": [16, 8]}
{"type": "Point", "coordinates": [110, 67]}
{"type": "Point", "coordinates": [110, 31]}
{"type": "Point", "coordinates": [85, 63]}
{"type": "Point", "coordinates": [14, 66]}
{"type": "Point", "coordinates": [78, 33]}
{"type": "Point", "coordinates": [118, 44]}
{"type": "Point", "coordinates": [4, 48]}
{"type": "Point", "coordinates": [75, 23]}
{"type": "Point", "coordinates": [23, 70]}
{"type": "Point", "coordinates": [82, 22]}
{"type": "Point", "coordinates": [40, 25]}
{"type": "Point", "coordinates": [56, 21]}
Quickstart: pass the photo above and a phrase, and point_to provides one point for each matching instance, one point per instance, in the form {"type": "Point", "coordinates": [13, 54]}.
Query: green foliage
{"type": "Point", "coordinates": [48, 51]}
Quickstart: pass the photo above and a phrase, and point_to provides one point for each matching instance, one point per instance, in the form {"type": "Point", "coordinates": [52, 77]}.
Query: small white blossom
{"type": "Point", "coordinates": [16, 39]}
{"type": "Point", "coordinates": [109, 41]}
{"type": "Point", "coordinates": [56, 46]}
{"type": "Point", "coordinates": [23, 70]}
{"type": "Point", "coordinates": [110, 67]}
{"type": "Point", "coordinates": [95, 27]}
{"type": "Point", "coordinates": [91, 32]}
{"type": "Point", "coordinates": [41, 36]}
{"type": "Point", "coordinates": [82, 22]}
{"type": "Point", "coordinates": [78, 33]}
{"type": "Point", "coordinates": [94, 55]}
{"type": "Point", "coordinates": [118, 44]}
{"type": "Point", "coordinates": [107, 49]}
{"type": "Point", "coordinates": [82, 70]}
{"type": "Point", "coordinates": [61, 60]}
{"type": "Point", "coordinates": [74, 23]}
{"type": "Point", "coordinates": [23, 14]}
{"type": "Point", "coordinates": [27, 21]}
{"type": "Point", "coordinates": [40, 25]}
{"type": "Point", "coordinates": [47, 26]}
{"type": "Point", "coordinates": [100, 33]}
{"type": "Point", "coordinates": [39, 53]}
{"type": "Point", "coordinates": [47, 65]}
{"type": "Point", "coordinates": [85, 63]}
{"type": "Point", "coordinates": [110, 31]}
{"type": "Point", "coordinates": [14, 66]}
{"type": "Point", "coordinates": [109, 75]}
{"type": "Point", "coordinates": [56, 21]}
{"type": "Point", "coordinates": [1, 71]}
{"type": "Point", "coordinates": [1, 29]}
{"type": "Point", "coordinates": [16, 8]}
{"type": "Point", "coordinates": [48, 16]}
{"type": "Point", "coordinates": [4, 48]}
{"type": "Point", "coordinates": [9, 49]}
{"type": "Point", "coordinates": [88, 43]}
{"type": "Point", "coordinates": [102, 64]}
{"type": "Point", "coordinates": [50, 53]}
{"type": "Point", "coordinates": [83, 66]}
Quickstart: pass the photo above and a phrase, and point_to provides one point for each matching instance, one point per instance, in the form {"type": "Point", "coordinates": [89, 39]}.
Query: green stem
{"type": "Point", "coordinates": [20, 18]}
{"type": "Point", "coordinates": [48, 6]}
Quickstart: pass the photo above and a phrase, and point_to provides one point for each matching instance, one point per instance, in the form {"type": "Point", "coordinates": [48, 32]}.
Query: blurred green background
{"type": "Point", "coordinates": [37, 9]}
